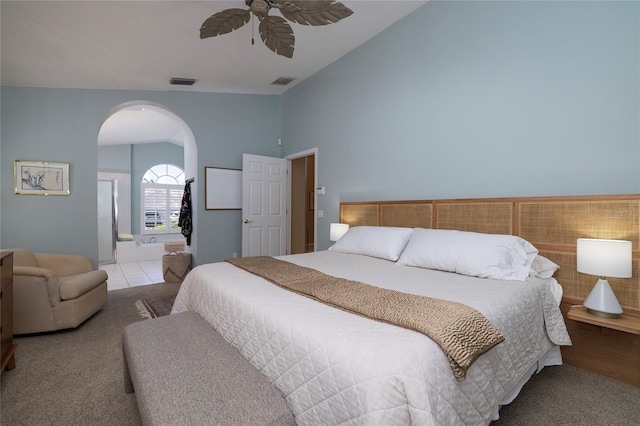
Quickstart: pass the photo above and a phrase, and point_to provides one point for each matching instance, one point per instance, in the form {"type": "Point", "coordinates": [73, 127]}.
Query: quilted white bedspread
{"type": "Point", "coordinates": [334, 367]}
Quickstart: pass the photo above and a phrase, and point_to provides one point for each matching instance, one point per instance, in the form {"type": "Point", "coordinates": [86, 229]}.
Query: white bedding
{"type": "Point", "coordinates": [334, 367]}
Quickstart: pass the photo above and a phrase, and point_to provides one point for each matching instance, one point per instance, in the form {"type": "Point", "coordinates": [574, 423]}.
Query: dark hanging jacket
{"type": "Point", "coordinates": [185, 221]}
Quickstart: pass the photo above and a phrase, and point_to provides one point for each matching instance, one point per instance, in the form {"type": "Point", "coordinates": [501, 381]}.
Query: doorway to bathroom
{"type": "Point", "coordinates": [134, 138]}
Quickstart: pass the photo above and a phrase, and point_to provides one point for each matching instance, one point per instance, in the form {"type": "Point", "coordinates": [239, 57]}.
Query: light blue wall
{"type": "Point", "coordinates": [114, 158]}
{"type": "Point", "coordinates": [477, 99]}
{"type": "Point", "coordinates": [62, 125]}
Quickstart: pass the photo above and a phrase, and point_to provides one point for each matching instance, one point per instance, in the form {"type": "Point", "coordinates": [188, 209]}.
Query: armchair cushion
{"type": "Point", "coordinates": [34, 271]}
{"type": "Point", "coordinates": [33, 275]}
{"type": "Point", "coordinates": [23, 257]}
{"type": "Point", "coordinates": [76, 285]}
{"type": "Point", "coordinates": [64, 264]}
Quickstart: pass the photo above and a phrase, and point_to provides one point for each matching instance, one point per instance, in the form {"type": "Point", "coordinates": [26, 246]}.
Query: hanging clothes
{"type": "Point", "coordinates": [185, 221]}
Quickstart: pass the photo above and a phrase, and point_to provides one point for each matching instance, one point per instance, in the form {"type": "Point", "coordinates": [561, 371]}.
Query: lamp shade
{"type": "Point", "coordinates": [337, 230]}
{"type": "Point", "coordinates": [604, 258]}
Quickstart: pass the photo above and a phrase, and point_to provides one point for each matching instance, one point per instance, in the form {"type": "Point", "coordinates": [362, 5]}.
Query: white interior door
{"type": "Point", "coordinates": [264, 216]}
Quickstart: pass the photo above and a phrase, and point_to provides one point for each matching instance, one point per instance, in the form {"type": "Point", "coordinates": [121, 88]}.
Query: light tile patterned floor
{"type": "Point", "coordinates": [125, 275]}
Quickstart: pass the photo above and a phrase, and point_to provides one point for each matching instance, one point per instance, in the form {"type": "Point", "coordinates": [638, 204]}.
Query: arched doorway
{"type": "Point", "coordinates": [131, 123]}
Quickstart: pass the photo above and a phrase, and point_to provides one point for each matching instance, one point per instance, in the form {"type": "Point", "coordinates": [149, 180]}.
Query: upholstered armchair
{"type": "Point", "coordinates": [54, 291]}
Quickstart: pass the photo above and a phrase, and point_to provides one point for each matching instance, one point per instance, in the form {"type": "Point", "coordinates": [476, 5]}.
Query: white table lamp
{"type": "Point", "coordinates": [337, 230]}
{"type": "Point", "coordinates": [604, 258]}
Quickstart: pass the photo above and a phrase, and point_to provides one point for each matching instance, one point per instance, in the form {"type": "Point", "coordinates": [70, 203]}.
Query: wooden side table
{"type": "Point", "coordinates": [626, 322]}
{"type": "Point", "coordinates": [7, 347]}
{"type": "Point", "coordinates": [610, 347]}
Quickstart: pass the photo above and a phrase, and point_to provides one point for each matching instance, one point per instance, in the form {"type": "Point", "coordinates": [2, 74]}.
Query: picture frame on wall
{"type": "Point", "coordinates": [222, 188]}
{"type": "Point", "coordinates": [40, 178]}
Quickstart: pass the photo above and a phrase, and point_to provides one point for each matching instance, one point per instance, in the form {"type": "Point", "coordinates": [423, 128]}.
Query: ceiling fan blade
{"type": "Point", "coordinates": [313, 12]}
{"type": "Point", "coordinates": [224, 22]}
{"type": "Point", "coordinates": [277, 35]}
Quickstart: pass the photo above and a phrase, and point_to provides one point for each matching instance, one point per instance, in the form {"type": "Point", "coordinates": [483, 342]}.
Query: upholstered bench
{"type": "Point", "coordinates": [184, 373]}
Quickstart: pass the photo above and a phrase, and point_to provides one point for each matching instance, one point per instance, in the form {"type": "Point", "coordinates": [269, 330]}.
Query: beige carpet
{"type": "Point", "coordinates": [75, 377]}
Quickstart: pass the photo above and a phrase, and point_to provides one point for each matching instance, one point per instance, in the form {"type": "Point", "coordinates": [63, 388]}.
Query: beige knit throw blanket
{"type": "Point", "coordinates": [461, 331]}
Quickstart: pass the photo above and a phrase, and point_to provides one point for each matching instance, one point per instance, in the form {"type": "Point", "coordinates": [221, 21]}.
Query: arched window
{"type": "Point", "coordinates": [162, 187]}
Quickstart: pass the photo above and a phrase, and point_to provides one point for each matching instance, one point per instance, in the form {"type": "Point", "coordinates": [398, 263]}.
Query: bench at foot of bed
{"type": "Point", "coordinates": [184, 372]}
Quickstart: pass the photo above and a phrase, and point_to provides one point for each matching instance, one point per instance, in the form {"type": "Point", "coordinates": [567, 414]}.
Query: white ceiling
{"type": "Point", "coordinates": [140, 45]}
{"type": "Point", "coordinates": [141, 124]}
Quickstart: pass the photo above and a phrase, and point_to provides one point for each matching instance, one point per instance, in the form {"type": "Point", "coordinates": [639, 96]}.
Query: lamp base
{"type": "Point", "coordinates": [602, 302]}
{"type": "Point", "coordinates": [603, 314]}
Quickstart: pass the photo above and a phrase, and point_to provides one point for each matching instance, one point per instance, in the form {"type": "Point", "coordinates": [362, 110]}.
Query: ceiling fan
{"type": "Point", "coordinates": [275, 31]}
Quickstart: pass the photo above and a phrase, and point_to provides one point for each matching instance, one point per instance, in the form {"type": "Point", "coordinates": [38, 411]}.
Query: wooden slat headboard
{"type": "Point", "coordinates": [552, 224]}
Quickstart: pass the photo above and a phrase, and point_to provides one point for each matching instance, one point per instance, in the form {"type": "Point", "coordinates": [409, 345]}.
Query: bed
{"type": "Point", "coordinates": [334, 367]}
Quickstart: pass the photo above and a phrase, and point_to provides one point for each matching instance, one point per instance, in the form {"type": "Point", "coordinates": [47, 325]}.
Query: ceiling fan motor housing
{"type": "Point", "coordinates": [260, 8]}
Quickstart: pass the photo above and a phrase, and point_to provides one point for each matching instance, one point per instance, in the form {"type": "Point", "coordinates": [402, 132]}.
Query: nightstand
{"type": "Point", "coordinates": [610, 347]}
{"type": "Point", "coordinates": [626, 323]}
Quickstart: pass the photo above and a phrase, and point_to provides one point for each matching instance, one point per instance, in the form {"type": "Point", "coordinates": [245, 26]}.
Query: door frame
{"type": "Point", "coordinates": [290, 158]}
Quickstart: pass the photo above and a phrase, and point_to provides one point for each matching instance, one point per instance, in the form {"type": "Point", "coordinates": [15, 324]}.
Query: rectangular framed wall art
{"type": "Point", "coordinates": [222, 188]}
{"type": "Point", "coordinates": [41, 178]}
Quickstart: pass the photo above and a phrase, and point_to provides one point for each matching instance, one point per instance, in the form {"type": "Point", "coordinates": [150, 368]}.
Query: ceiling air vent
{"type": "Point", "coordinates": [182, 81]}
{"type": "Point", "coordinates": [283, 81]}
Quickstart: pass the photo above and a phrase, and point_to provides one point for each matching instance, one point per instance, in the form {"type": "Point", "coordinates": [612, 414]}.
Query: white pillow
{"type": "Point", "coordinates": [385, 242]}
{"type": "Point", "coordinates": [543, 267]}
{"type": "Point", "coordinates": [503, 257]}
